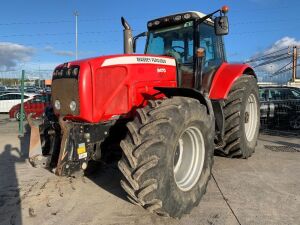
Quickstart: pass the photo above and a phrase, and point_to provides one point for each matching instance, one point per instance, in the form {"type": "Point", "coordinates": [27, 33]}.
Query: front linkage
{"type": "Point", "coordinates": [80, 143]}
{"type": "Point", "coordinates": [68, 146]}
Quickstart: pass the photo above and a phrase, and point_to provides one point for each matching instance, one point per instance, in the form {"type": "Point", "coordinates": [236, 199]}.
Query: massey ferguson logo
{"type": "Point", "coordinates": [161, 70]}
{"type": "Point", "coordinates": [150, 60]}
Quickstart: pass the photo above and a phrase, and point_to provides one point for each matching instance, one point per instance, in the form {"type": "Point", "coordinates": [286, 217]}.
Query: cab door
{"type": "Point", "coordinates": [214, 54]}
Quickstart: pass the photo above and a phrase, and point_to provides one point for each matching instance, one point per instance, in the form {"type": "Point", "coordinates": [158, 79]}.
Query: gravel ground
{"type": "Point", "coordinates": [261, 190]}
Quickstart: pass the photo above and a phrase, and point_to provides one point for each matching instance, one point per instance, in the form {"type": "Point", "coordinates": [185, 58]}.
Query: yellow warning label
{"type": "Point", "coordinates": [81, 149]}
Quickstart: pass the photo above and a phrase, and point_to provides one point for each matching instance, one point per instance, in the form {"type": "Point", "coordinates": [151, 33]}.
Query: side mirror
{"type": "Point", "coordinates": [221, 25]}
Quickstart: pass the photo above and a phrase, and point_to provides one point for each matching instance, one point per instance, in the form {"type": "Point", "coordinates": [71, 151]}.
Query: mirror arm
{"type": "Point", "coordinates": [224, 11]}
{"type": "Point", "coordinates": [137, 37]}
{"type": "Point", "coordinates": [201, 20]}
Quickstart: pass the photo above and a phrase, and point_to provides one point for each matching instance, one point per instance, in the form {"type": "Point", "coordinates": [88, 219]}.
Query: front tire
{"type": "Point", "coordinates": [242, 119]}
{"type": "Point", "coordinates": [168, 156]}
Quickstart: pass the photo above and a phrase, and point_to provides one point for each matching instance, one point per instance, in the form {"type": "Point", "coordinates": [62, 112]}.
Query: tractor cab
{"type": "Point", "coordinates": [181, 36]}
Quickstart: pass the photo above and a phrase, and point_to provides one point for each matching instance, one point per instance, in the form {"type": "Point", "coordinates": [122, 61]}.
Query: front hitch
{"type": "Point", "coordinates": [65, 147]}
{"type": "Point", "coordinates": [73, 153]}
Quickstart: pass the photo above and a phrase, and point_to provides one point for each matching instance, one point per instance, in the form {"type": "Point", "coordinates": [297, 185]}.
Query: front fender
{"type": "Point", "coordinates": [190, 93]}
{"type": "Point", "coordinates": [225, 77]}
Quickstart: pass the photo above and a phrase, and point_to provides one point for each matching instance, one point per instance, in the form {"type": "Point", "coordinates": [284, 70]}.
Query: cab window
{"type": "Point", "coordinates": [175, 41]}
{"type": "Point", "coordinates": [212, 45]}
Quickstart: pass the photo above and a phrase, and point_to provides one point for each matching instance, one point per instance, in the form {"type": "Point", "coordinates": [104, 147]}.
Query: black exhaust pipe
{"type": "Point", "coordinates": [128, 39]}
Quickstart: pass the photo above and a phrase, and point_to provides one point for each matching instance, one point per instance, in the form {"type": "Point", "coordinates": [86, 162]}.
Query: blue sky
{"type": "Point", "coordinates": [39, 34]}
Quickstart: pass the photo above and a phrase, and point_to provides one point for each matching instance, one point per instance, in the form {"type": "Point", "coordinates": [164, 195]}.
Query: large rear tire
{"type": "Point", "coordinates": [168, 155]}
{"type": "Point", "coordinates": [242, 118]}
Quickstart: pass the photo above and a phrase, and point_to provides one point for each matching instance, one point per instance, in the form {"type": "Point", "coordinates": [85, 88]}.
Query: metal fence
{"type": "Point", "coordinates": [19, 86]}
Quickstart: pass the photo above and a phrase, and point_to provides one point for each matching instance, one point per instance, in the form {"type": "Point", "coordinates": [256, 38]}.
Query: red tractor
{"type": "Point", "coordinates": [169, 110]}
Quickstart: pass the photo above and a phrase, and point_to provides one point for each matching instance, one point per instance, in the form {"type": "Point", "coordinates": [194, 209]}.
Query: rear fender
{"type": "Point", "coordinates": [225, 77]}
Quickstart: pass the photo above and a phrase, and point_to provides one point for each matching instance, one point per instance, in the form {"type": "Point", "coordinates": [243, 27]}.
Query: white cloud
{"type": "Point", "coordinates": [11, 54]}
{"type": "Point", "coordinates": [64, 53]}
{"type": "Point", "coordinates": [284, 44]}
{"type": "Point", "coordinates": [59, 52]}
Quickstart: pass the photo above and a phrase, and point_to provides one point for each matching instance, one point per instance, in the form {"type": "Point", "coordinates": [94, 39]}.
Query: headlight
{"type": "Point", "coordinates": [57, 104]}
{"type": "Point", "coordinates": [69, 72]}
{"type": "Point", "coordinates": [73, 106]}
{"type": "Point", "coordinates": [75, 71]}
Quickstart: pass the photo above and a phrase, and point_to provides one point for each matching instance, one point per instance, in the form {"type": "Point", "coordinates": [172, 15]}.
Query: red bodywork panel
{"type": "Point", "coordinates": [224, 78]}
{"type": "Point", "coordinates": [115, 85]}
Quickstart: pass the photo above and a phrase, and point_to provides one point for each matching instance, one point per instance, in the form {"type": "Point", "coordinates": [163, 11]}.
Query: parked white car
{"type": "Point", "coordinates": [8, 100]}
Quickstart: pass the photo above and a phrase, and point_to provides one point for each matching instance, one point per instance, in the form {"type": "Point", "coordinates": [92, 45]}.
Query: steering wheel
{"type": "Point", "coordinates": [176, 46]}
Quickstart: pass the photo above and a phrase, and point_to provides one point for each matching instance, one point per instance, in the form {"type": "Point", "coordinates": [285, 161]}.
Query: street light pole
{"type": "Point", "coordinates": [76, 14]}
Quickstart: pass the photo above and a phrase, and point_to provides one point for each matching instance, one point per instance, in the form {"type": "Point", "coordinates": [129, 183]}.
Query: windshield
{"type": "Point", "coordinates": [176, 41]}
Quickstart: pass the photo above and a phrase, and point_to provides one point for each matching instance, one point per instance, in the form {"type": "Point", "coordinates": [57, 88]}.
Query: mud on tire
{"type": "Point", "coordinates": [151, 148]}
{"type": "Point", "coordinates": [241, 136]}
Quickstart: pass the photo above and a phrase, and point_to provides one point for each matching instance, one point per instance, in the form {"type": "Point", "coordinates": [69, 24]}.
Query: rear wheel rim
{"type": "Point", "coordinates": [251, 117]}
{"type": "Point", "coordinates": [189, 158]}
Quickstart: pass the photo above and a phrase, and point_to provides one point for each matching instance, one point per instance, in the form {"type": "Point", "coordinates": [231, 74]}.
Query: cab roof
{"type": "Point", "coordinates": [177, 18]}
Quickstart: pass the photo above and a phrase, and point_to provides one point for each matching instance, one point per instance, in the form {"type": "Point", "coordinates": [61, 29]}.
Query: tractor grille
{"type": "Point", "coordinates": [65, 90]}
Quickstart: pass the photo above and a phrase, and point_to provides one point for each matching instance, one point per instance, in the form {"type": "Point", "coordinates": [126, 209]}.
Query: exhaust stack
{"type": "Point", "coordinates": [128, 40]}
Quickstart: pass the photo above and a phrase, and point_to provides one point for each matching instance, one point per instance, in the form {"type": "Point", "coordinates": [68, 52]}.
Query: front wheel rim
{"type": "Point", "coordinates": [251, 117]}
{"type": "Point", "coordinates": [189, 158]}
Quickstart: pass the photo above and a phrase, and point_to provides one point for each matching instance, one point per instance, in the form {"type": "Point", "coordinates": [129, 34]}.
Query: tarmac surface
{"type": "Point", "coordinates": [264, 189]}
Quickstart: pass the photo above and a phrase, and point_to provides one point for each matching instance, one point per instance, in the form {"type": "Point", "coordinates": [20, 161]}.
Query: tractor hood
{"type": "Point", "coordinates": [104, 88]}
